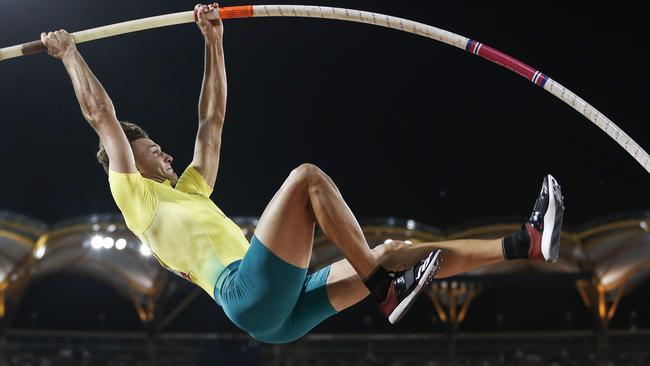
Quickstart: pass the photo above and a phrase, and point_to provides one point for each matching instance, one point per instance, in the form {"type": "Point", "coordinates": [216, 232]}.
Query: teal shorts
{"type": "Point", "coordinates": [272, 300]}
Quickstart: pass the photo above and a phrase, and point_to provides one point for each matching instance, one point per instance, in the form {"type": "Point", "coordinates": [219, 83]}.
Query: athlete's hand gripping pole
{"type": "Point", "coordinates": [128, 27]}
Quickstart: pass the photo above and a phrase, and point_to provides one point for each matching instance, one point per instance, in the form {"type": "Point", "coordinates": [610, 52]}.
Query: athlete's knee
{"type": "Point", "coordinates": [379, 251]}
{"type": "Point", "coordinates": [305, 172]}
{"type": "Point", "coordinates": [311, 176]}
{"type": "Point", "coordinates": [387, 252]}
{"type": "Point", "coordinates": [387, 248]}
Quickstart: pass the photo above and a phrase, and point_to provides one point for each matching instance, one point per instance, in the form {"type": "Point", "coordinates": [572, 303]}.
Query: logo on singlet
{"type": "Point", "coordinates": [185, 275]}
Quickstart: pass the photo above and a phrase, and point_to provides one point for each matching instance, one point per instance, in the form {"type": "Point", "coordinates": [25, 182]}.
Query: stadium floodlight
{"type": "Point", "coordinates": [120, 244]}
{"type": "Point", "coordinates": [410, 224]}
{"type": "Point", "coordinates": [145, 250]}
{"type": "Point", "coordinates": [97, 242]}
{"type": "Point", "coordinates": [108, 242]}
{"type": "Point", "coordinates": [40, 252]}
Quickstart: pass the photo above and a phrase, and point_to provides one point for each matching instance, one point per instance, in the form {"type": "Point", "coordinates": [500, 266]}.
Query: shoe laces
{"type": "Point", "coordinates": [422, 266]}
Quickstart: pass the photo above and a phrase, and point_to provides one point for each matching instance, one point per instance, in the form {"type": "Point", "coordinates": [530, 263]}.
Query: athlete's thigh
{"type": "Point", "coordinates": [286, 227]}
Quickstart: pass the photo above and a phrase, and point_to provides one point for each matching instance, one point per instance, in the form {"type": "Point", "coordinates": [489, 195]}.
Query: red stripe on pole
{"type": "Point", "coordinates": [507, 61]}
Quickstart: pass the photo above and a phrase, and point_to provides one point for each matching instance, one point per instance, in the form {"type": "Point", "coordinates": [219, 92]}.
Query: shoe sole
{"type": "Point", "coordinates": [428, 276]}
{"type": "Point", "coordinates": [549, 221]}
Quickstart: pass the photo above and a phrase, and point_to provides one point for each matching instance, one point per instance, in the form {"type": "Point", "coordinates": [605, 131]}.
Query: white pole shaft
{"type": "Point", "coordinates": [103, 32]}
{"type": "Point", "coordinates": [555, 88]}
{"type": "Point", "coordinates": [134, 26]}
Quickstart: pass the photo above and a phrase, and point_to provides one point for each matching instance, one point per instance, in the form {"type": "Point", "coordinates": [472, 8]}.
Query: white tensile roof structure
{"type": "Point", "coordinates": [608, 258]}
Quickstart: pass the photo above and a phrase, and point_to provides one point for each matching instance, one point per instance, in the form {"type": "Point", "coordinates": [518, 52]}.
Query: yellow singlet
{"type": "Point", "coordinates": [186, 231]}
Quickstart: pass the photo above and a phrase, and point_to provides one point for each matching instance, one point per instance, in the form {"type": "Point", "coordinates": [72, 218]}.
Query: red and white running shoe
{"type": "Point", "coordinates": [407, 285]}
{"type": "Point", "coordinates": [545, 222]}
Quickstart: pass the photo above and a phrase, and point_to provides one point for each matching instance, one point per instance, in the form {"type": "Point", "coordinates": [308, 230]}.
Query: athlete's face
{"type": "Point", "coordinates": [152, 162]}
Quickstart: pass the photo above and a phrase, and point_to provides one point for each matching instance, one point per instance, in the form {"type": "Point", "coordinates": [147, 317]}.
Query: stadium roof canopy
{"type": "Point", "coordinates": [608, 257]}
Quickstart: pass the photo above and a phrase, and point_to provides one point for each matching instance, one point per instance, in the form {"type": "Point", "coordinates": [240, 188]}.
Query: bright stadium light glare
{"type": "Point", "coordinates": [410, 224]}
{"type": "Point", "coordinates": [144, 250]}
{"type": "Point", "coordinates": [120, 244]}
{"type": "Point", "coordinates": [97, 242]}
{"type": "Point", "coordinates": [110, 228]}
{"type": "Point", "coordinates": [108, 242]}
{"type": "Point", "coordinates": [40, 252]}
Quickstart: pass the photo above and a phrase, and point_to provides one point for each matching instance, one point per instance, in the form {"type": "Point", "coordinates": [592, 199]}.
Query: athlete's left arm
{"type": "Point", "coordinates": [212, 102]}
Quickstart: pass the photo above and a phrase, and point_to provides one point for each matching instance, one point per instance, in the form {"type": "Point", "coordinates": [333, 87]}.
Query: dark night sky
{"type": "Point", "coordinates": [407, 127]}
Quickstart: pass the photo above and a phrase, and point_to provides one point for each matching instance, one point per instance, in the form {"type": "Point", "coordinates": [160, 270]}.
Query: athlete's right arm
{"type": "Point", "coordinates": [95, 103]}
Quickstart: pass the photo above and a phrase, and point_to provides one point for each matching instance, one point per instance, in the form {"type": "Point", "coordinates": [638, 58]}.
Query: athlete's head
{"type": "Point", "coordinates": [150, 160]}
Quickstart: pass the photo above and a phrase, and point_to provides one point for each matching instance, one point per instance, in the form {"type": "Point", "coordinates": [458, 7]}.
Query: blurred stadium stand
{"type": "Point", "coordinates": [86, 292]}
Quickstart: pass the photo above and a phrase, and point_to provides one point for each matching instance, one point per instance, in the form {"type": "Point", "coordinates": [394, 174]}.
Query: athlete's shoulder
{"type": "Point", "coordinates": [192, 182]}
